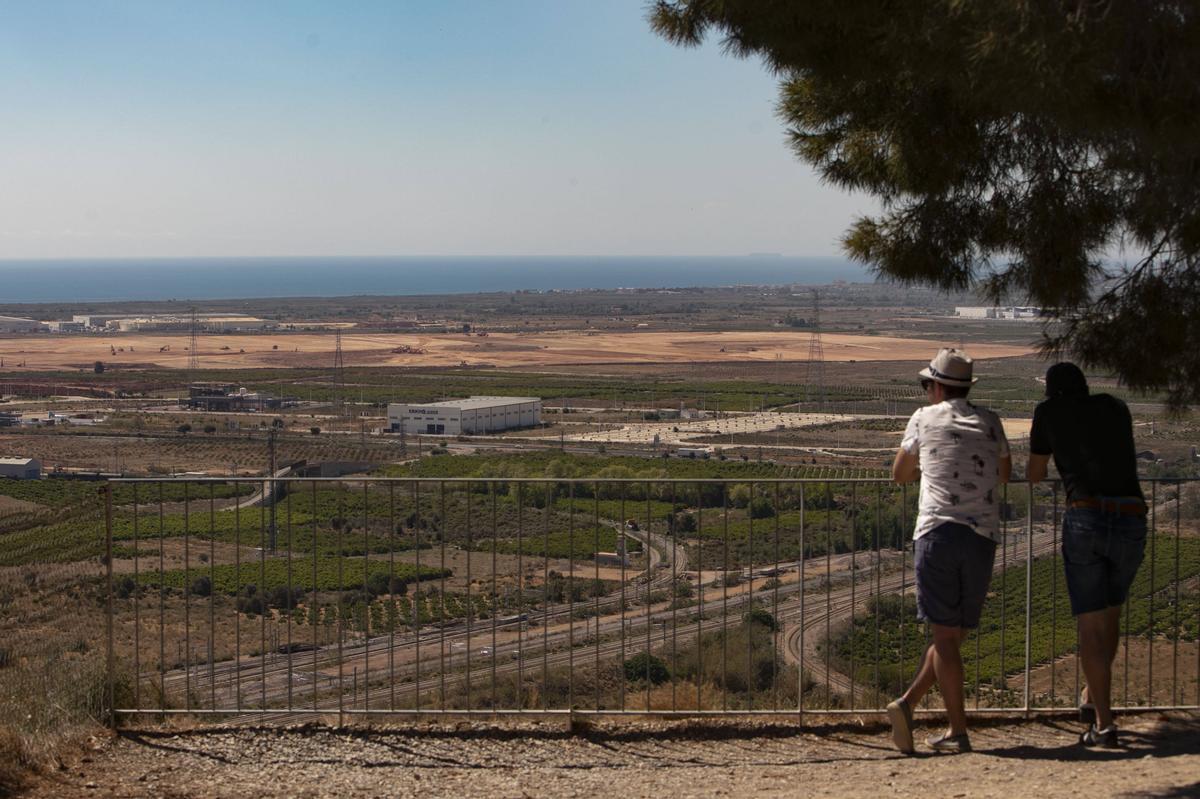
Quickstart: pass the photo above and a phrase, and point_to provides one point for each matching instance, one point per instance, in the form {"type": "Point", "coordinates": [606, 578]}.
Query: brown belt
{"type": "Point", "coordinates": [1118, 505]}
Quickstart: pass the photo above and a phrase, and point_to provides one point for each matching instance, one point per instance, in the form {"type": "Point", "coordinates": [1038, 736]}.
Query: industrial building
{"type": "Point", "coordinates": [20, 468]}
{"type": "Point", "coordinates": [1029, 313]}
{"type": "Point", "coordinates": [471, 415]}
{"type": "Point", "coordinates": [93, 320]}
{"type": "Point", "coordinates": [217, 323]}
{"type": "Point", "coordinates": [18, 324]}
{"type": "Point", "coordinates": [209, 322]}
{"type": "Point", "coordinates": [229, 397]}
{"type": "Point", "coordinates": [66, 326]}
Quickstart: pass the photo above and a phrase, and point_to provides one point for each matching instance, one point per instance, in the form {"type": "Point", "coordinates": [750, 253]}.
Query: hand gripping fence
{"type": "Point", "coordinates": [301, 598]}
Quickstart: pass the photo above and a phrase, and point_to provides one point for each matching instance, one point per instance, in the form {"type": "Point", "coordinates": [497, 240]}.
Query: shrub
{"type": "Point", "coordinates": [316, 431]}
{"type": "Point", "coordinates": [644, 666]}
{"type": "Point", "coordinates": [761, 508]}
{"type": "Point", "coordinates": [380, 583]}
{"type": "Point", "coordinates": [125, 587]}
{"type": "Point", "coordinates": [202, 586]}
{"type": "Point", "coordinates": [377, 584]}
{"type": "Point", "coordinates": [760, 616]}
{"type": "Point", "coordinates": [284, 598]}
{"type": "Point", "coordinates": [683, 522]}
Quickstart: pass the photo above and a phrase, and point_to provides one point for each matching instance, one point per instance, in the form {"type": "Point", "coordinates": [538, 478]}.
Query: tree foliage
{"type": "Point", "coordinates": [1020, 149]}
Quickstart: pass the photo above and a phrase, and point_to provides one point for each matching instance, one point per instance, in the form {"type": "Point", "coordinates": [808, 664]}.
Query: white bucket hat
{"type": "Point", "coordinates": [950, 367]}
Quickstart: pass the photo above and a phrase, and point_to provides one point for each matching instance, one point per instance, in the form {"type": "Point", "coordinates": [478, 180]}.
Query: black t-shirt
{"type": "Point", "coordinates": [1091, 438]}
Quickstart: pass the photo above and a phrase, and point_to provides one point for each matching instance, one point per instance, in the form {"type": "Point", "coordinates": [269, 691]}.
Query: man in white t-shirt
{"type": "Point", "coordinates": [960, 454]}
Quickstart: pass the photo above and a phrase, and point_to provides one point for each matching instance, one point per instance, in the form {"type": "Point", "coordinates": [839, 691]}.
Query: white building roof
{"type": "Point", "coordinates": [476, 402]}
{"type": "Point", "coordinates": [17, 461]}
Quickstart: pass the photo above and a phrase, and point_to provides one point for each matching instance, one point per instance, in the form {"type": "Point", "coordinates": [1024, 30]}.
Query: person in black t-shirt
{"type": "Point", "coordinates": [1104, 527]}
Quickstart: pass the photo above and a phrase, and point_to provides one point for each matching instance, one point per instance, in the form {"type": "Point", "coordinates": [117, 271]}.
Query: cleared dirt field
{"type": "Point", "coordinates": [497, 349]}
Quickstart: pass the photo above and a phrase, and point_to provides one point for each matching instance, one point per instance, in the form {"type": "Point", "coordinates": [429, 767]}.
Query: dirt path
{"type": "Point", "coordinates": [1161, 758]}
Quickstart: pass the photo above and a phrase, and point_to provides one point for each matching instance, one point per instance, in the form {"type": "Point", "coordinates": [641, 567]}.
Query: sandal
{"type": "Point", "coordinates": [900, 715]}
{"type": "Point", "coordinates": [1104, 739]}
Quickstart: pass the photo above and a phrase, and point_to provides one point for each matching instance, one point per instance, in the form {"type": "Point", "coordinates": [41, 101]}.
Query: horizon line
{"type": "Point", "coordinates": [763, 255]}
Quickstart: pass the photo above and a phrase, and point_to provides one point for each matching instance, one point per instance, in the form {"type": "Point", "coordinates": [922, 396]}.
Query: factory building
{"type": "Point", "coordinates": [99, 321]}
{"type": "Point", "coordinates": [472, 415]}
{"type": "Point", "coordinates": [1028, 313]}
{"type": "Point", "coordinates": [18, 324]}
{"type": "Point", "coordinates": [217, 323]}
{"type": "Point", "coordinates": [20, 468]}
{"type": "Point", "coordinates": [66, 326]}
{"type": "Point", "coordinates": [229, 397]}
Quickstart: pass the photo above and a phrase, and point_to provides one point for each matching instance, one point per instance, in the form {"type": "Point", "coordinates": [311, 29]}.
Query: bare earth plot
{"type": "Point", "coordinates": [1037, 758]}
{"type": "Point", "coordinates": [497, 349]}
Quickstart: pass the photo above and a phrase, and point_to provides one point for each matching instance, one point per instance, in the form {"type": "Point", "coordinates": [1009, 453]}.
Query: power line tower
{"type": "Point", "coordinates": [193, 349]}
{"type": "Point", "coordinates": [339, 376]}
{"type": "Point", "coordinates": [814, 378]}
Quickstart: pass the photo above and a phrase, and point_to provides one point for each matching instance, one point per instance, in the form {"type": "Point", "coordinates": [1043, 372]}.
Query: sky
{"type": "Point", "coordinates": [441, 127]}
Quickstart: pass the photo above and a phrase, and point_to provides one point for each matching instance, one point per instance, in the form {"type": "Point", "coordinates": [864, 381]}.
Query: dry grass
{"type": "Point", "coordinates": [52, 667]}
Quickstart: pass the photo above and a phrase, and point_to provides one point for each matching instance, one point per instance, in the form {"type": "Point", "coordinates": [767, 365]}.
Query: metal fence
{"type": "Point", "coordinates": [303, 597]}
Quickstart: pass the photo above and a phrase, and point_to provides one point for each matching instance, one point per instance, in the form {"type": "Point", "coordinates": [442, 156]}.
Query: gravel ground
{"type": "Point", "coordinates": [1038, 758]}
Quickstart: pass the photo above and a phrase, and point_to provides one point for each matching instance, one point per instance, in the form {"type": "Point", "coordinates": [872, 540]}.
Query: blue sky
{"type": "Point", "coordinates": [509, 127]}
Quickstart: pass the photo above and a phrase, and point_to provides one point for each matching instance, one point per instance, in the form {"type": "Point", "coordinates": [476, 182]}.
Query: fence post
{"type": "Point", "coordinates": [1028, 589]}
{"type": "Point", "coordinates": [110, 661]}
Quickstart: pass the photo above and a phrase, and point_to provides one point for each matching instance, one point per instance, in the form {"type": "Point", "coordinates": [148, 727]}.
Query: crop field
{"type": "Point", "coordinates": [304, 573]}
{"type": "Point", "coordinates": [168, 452]}
{"type": "Point", "coordinates": [758, 520]}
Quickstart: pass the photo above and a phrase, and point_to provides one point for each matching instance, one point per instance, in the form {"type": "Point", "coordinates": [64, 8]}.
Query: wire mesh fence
{"type": "Point", "coordinates": [299, 597]}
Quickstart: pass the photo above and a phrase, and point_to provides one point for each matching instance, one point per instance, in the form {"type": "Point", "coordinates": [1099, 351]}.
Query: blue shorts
{"type": "Point", "coordinates": [1102, 553]}
{"type": "Point", "coordinates": [953, 566]}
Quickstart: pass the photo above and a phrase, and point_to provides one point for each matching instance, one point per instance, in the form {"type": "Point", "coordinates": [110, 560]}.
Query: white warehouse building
{"type": "Point", "coordinates": [19, 324]}
{"type": "Point", "coordinates": [471, 415]}
{"type": "Point", "coordinates": [20, 468]}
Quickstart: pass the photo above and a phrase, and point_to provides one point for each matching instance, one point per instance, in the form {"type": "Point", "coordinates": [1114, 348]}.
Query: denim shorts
{"type": "Point", "coordinates": [953, 566]}
{"type": "Point", "coordinates": [1102, 553]}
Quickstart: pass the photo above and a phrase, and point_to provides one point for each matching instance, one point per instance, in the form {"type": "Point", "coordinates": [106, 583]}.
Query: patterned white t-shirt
{"type": "Point", "coordinates": [960, 446]}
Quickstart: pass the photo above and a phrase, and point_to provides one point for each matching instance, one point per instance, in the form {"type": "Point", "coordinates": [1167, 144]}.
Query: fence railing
{"type": "Point", "coordinates": [307, 596]}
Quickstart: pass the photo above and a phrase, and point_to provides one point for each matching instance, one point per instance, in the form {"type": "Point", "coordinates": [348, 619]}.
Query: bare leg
{"type": "Point", "coordinates": [924, 680]}
{"type": "Point", "coordinates": [1098, 641]}
{"type": "Point", "coordinates": [942, 664]}
{"type": "Point", "coordinates": [949, 669]}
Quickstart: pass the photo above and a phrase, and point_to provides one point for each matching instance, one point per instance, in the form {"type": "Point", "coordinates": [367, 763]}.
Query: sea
{"type": "Point", "coordinates": [82, 280]}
